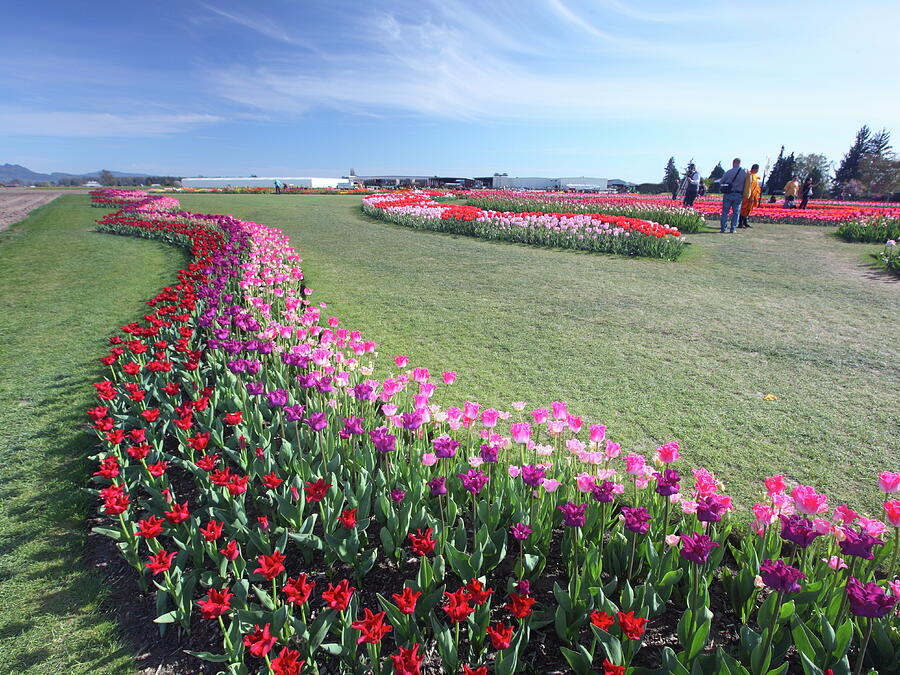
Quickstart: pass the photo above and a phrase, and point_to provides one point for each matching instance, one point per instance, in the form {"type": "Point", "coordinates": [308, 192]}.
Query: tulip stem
{"type": "Point", "coordinates": [890, 575]}
{"type": "Point", "coordinates": [774, 626]}
{"type": "Point", "coordinates": [631, 557]}
{"type": "Point", "coordinates": [865, 645]}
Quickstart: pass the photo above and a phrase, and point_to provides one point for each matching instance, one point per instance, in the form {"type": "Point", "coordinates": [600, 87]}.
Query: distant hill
{"type": "Point", "coordinates": [17, 172]}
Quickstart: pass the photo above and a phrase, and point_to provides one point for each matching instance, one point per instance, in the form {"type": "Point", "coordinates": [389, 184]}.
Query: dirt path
{"type": "Point", "coordinates": [17, 203]}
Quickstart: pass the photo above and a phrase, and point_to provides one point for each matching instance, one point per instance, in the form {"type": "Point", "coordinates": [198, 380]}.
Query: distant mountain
{"type": "Point", "coordinates": [13, 172]}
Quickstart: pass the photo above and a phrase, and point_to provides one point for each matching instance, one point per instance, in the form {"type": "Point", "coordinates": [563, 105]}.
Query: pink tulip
{"type": "Point", "coordinates": [845, 514]}
{"type": "Point", "coordinates": [574, 446]}
{"type": "Point", "coordinates": [613, 450]}
{"type": "Point", "coordinates": [449, 376]}
{"type": "Point", "coordinates": [634, 464]}
{"type": "Point", "coordinates": [584, 482]}
{"type": "Point", "coordinates": [822, 526]}
{"type": "Point", "coordinates": [575, 423]}
{"type": "Point", "coordinates": [871, 527]}
{"type": "Point", "coordinates": [775, 485]}
{"type": "Point", "coordinates": [550, 484]}
{"type": "Point", "coordinates": [597, 432]}
{"type": "Point", "coordinates": [559, 410]}
{"type": "Point", "coordinates": [540, 415]}
{"type": "Point", "coordinates": [421, 374]}
{"type": "Point", "coordinates": [889, 481]}
{"type": "Point", "coordinates": [513, 471]}
{"type": "Point", "coordinates": [489, 418]}
{"type": "Point", "coordinates": [667, 453]}
{"type": "Point", "coordinates": [470, 410]}
{"type": "Point", "coordinates": [892, 513]}
{"type": "Point", "coordinates": [429, 459]}
{"type": "Point", "coordinates": [808, 501]}
{"type": "Point", "coordinates": [518, 406]}
{"type": "Point", "coordinates": [520, 432]}
{"type": "Point", "coordinates": [835, 562]}
{"type": "Point", "coordinates": [556, 427]}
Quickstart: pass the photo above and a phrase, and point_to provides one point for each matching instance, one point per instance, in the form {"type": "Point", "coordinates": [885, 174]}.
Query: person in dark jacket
{"type": "Point", "coordinates": [732, 186]}
{"type": "Point", "coordinates": [692, 185]}
{"type": "Point", "coordinates": [806, 191]}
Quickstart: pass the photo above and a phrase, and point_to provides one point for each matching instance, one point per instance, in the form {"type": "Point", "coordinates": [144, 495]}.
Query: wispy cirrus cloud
{"type": "Point", "coordinates": [98, 124]}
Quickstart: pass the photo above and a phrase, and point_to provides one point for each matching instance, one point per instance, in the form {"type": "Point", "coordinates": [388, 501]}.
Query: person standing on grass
{"type": "Point", "coordinates": [791, 188]}
{"type": "Point", "coordinates": [692, 185]}
{"type": "Point", "coordinates": [732, 186]}
{"type": "Point", "coordinates": [751, 196]}
{"type": "Point", "coordinates": [806, 191]}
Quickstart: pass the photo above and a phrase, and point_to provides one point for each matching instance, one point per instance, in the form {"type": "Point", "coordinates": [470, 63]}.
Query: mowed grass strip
{"type": "Point", "coordinates": [63, 290]}
{"type": "Point", "coordinates": [658, 351]}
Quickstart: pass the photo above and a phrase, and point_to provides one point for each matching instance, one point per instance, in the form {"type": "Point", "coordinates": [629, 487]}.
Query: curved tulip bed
{"type": "Point", "coordinates": [657, 211]}
{"type": "Point", "coordinates": [264, 482]}
{"type": "Point", "coordinates": [661, 209]}
{"type": "Point", "coordinates": [596, 232]}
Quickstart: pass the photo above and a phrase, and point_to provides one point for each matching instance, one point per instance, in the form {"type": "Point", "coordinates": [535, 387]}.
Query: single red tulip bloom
{"type": "Point", "coordinates": [520, 605]}
{"type": "Point", "coordinates": [338, 597]}
{"type": "Point", "coordinates": [216, 603]}
{"type": "Point", "coordinates": [316, 491]}
{"type": "Point", "coordinates": [260, 641]}
{"type": "Point", "coordinates": [270, 566]}
{"type": "Point", "coordinates": [500, 635]}
{"type": "Point", "coordinates": [297, 590]}
{"type": "Point", "coordinates": [372, 627]}
{"type": "Point", "coordinates": [632, 626]}
{"type": "Point", "coordinates": [159, 563]}
{"type": "Point", "coordinates": [406, 600]}
{"type": "Point", "coordinates": [288, 662]}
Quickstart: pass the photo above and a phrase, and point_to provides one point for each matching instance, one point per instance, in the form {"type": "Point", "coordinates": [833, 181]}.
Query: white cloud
{"type": "Point", "coordinates": [98, 124]}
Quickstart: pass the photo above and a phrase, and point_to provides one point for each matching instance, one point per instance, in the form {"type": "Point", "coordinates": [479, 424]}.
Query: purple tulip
{"type": "Point", "coordinates": [520, 531]}
{"type": "Point", "coordinates": [444, 447]}
{"type": "Point", "coordinates": [277, 398]}
{"type": "Point", "coordinates": [533, 475]}
{"type": "Point", "coordinates": [859, 545]}
{"type": "Point", "coordinates": [573, 514]}
{"type": "Point", "coordinates": [798, 529]}
{"type": "Point", "coordinates": [711, 508]}
{"type": "Point", "coordinates": [603, 493]}
{"type": "Point", "coordinates": [317, 421]}
{"type": "Point", "coordinates": [489, 454]}
{"type": "Point", "coordinates": [696, 547]}
{"type": "Point", "coordinates": [398, 495]}
{"type": "Point", "coordinates": [637, 519]}
{"type": "Point", "coordinates": [667, 482]}
{"type": "Point", "coordinates": [437, 486]}
{"type": "Point", "coordinates": [382, 440]}
{"type": "Point", "coordinates": [869, 600]}
{"type": "Point", "coordinates": [473, 481]}
{"type": "Point", "coordinates": [352, 427]}
{"type": "Point", "coordinates": [779, 576]}
{"type": "Point", "coordinates": [294, 413]}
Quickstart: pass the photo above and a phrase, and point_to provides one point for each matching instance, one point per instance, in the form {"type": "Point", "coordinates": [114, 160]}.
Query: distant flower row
{"type": "Point", "coordinates": [816, 213]}
{"type": "Point", "coordinates": [598, 232]}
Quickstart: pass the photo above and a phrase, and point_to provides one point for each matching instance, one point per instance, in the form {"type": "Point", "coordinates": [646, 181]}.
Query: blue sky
{"type": "Point", "coordinates": [607, 88]}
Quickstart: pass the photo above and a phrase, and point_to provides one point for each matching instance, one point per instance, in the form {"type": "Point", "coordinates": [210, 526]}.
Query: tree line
{"type": "Point", "coordinates": [870, 170]}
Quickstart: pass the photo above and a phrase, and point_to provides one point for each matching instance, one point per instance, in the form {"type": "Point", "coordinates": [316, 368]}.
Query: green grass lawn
{"type": "Point", "coordinates": [656, 350]}
{"type": "Point", "coordinates": [63, 289]}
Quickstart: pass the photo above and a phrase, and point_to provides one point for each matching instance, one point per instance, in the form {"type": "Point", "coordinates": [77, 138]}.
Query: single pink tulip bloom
{"type": "Point", "coordinates": [871, 527]}
{"type": "Point", "coordinates": [808, 501]}
{"type": "Point", "coordinates": [429, 459]}
{"type": "Point", "coordinates": [518, 406]}
{"type": "Point", "coordinates": [489, 418]}
{"type": "Point", "coordinates": [775, 485]}
{"type": "Point", "coordinates": [520, 432]}
{"type": "Point", "coordinates": [597, 433]}
{"type": "Point", "coordinates": [613, 450]}
{"type": "Point", "coordinates": [845, 514]}
{"type": "Point", "coordinates": [559, 410]}
{"type": "Point", "coordinates": [449, 376]}
{"type": "Point", "coordinates": [513, 471]}
{"type": "Point", "coordinates": [540, 415]}
{"type": "Point", "coordinates": [550, 484]}
{"type": "Point", "coordinates": [585, 482]}
{"type": "Point", "coordinates": [634, 464]}
{"type": "Point", "coordinates": [835, 562]}
{"type": "Point", "coordinates": [889, 481]}
{"type": "Point", "coordinates": [401, 361]}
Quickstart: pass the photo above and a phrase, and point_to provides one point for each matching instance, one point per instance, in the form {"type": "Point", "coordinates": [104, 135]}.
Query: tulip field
{"type": "Point", "coordinates": [282, 496]}
{"type": "Point", "coordinates": [256, 474]}
{"type": "Point", "coordinates": [663, 210]}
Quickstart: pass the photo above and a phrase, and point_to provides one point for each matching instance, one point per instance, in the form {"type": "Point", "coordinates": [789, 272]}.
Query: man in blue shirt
{"type": "Point", "coordinates": [732, 186]}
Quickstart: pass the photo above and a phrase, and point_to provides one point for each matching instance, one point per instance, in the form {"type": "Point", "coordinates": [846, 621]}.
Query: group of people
{"type": "Point", "coordinates": [741, 193]}
{"type": "Point", "coordinates": [793, 189]}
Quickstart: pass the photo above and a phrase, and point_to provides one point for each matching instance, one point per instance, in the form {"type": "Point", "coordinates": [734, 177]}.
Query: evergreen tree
{"type": "Point", "coordinates": [775, 180]}
{"type": "Point", "coordinates": [717, 172]}
{"type": "Point", "coordinates": [880, 144]}
{"type": "Point", "coordinates": [849, 167]}
{"type": "Point", "coordinates": [672, 176]}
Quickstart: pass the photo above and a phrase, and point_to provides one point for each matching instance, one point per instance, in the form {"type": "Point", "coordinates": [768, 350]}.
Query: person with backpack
{"type": "Point", "coordinates": [732, 187]}
{"type": "Point", "coordinates": [806, 191]}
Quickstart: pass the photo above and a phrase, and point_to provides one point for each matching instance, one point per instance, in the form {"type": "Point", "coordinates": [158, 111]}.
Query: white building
{"type": "Point", "coordinates": [579, 183]}
{"type": "Point", "coordinates": [266, 181]}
